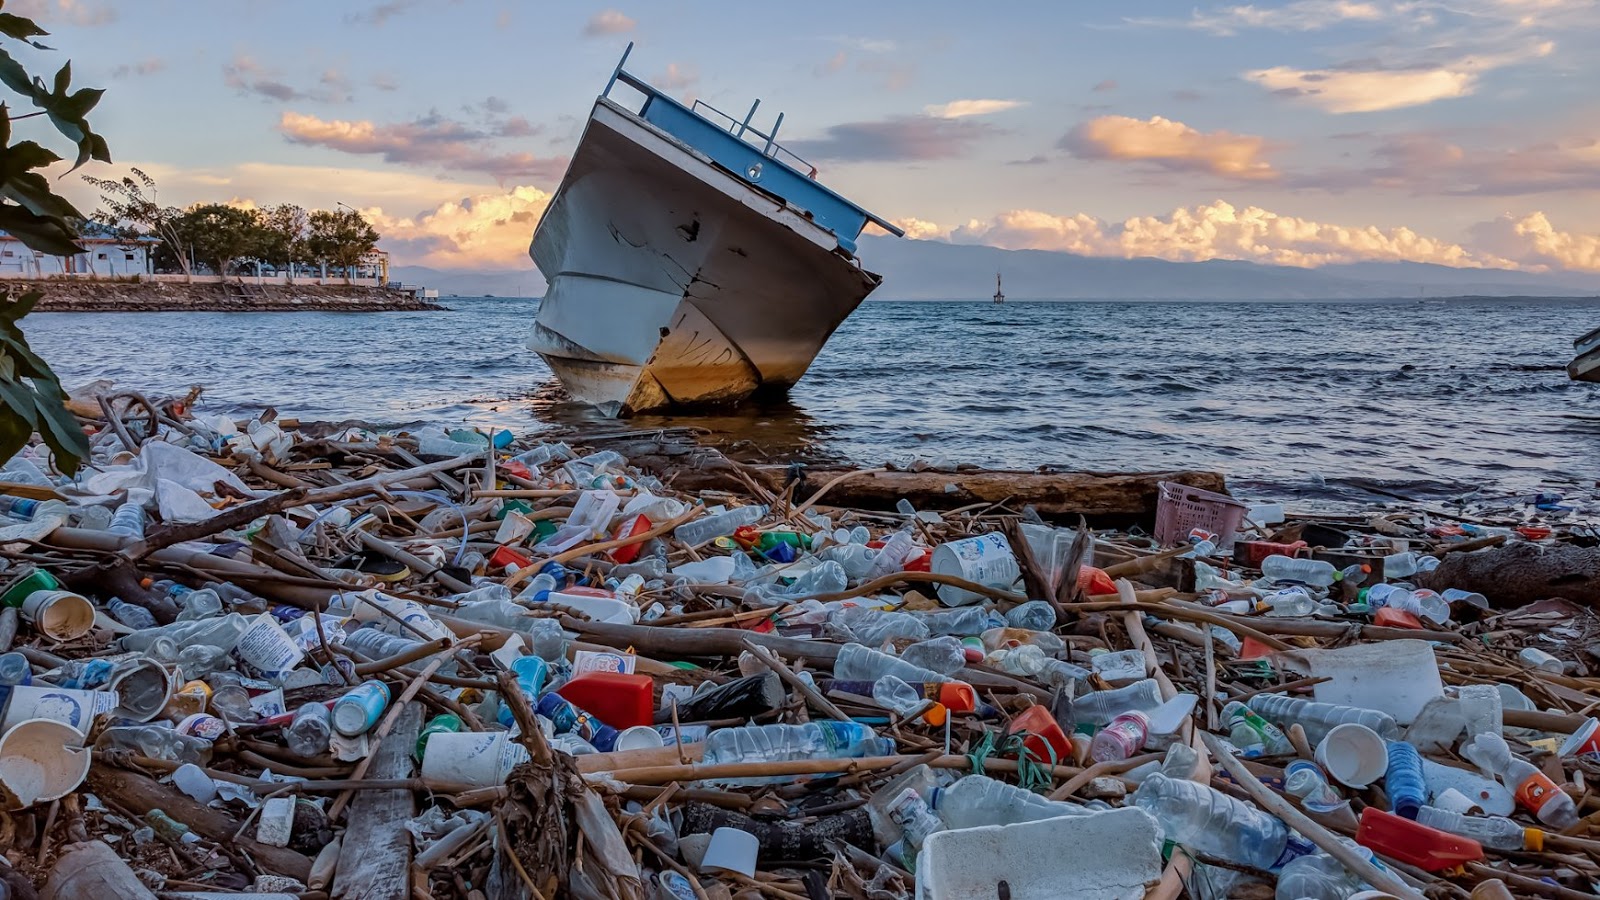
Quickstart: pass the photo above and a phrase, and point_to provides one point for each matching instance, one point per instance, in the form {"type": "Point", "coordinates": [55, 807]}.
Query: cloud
{"type": "Point", "coordinates": [249, 77]}
{"type": "Point", "coordinates": [1302, 15]}
{"type": "Point", "coordinates": [900, 138]}
{"type": "Point", "coordinates": [379, 14]}
{"type": "Point", "coordinates": [833, 65]}
{"type": "Point", "coordinates": [484, 230]}
{"type": "Point", "coordinates": [957, 109]}
{"type": "Point", "coordinates": [1435, 164]}
{"type": "Point", "coordinates": [1534, 243]}
{"type": "Point", "coordinates": [608, 21]}
{"type": "Point", "coordinates": [383, 81]}
{"type": "Point", "coordinates": [865, 44]}
{"type": "Point", "coordinates": [1217, 230]}
{"type": "Point", "coordinates": [677, 78]}
{"type": "Point", "coordinates": [149, 66]}
{"type": "Point", "coordinates": [1368, 87]}
{"type": "Point", "coordinates": [1108, 85]}
{"type": "Point", "coordinates": [81, 13]}
{"type": "Point", "coordinates": [921, 229]}
{"type": "Point", "coordinates": [1171, 145]}
{"type": "Point", "coordinates": [432, 140]}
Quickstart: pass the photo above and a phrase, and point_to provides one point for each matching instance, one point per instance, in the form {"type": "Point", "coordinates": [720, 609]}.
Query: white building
{"type": "Point", "coordinates": [106, 257]}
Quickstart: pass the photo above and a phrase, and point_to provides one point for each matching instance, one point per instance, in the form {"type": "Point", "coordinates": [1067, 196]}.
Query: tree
{"type": "Point", "coordinates": [31, 398]}
{"type": "Point", "coordinates": [131, 214]}
{"type": "Point", "coordinates": [219, 235]}
{"type": "Point", "coordinates": [282, 241]}
{"type": "Point", "coordinates": [341, 239]}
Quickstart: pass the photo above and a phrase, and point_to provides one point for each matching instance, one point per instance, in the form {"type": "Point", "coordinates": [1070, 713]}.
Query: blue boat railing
{"type": "Point", "coordinates": [750, 154]}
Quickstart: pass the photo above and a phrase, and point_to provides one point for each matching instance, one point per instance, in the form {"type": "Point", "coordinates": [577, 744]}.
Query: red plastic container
{"type": "Point", "coordinates": [1426, 848]}
{"type": "Point", "coordinates": [1044, 736]}
{"type": "Point", "coordinates": [1251, 553]}
{"type": "Point", "coordinates": [506, 558]}
{"type": "Point", "coordinates": [617, 699]}
{"type": "Point", "coordinates": [627, 530]}
{"type": "Point", "coordinates": [1397, 618]}
{"type": "Point", "coordinates": [1095, 582]}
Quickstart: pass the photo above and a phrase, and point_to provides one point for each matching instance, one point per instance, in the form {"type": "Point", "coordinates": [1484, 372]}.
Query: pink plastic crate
{"type": "Point", "coordinates": [1181, 509]}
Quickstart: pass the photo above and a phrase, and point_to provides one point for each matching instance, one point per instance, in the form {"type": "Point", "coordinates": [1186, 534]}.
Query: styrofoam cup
{"type": "Point", "coordinates": [59, 615]}
{"type": "Point", "coordinates": [41, 760]}
{"type": "Point", "coordinates": [1354, 755]}
{"type": "Point", "coordinates": [639, 737]}
{"type": "Point", "coordinates": [733, 850]}
{"type": "Point", "coordinates": [474, 758]}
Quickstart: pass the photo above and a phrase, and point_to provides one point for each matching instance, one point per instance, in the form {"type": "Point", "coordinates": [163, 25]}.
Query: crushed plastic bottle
{"type": "Point", "coordinates": [943, 655]}
{"type": "Point", "coordinates": [977, 800]}
{"type": "Point", "coordinates": [707, 528]}
{"type": "Point", "coordinates": [1202, 819]}
{"type": "Point", "coordinates": [1534, 790]}
{"type": "Point", "coordinates": [308, 734]}
{"type": "Point", "coordinates": [775, 743]}
{"type": "Point", "coordinates": [1316, 876]}
{"type": "Point", "coordinates": [1319, 718]}
{"type": "Point", "coordinates": [858, 663]}
{"type": "Point", "coordinates": [1100, 707]}
{"type": "Point", "coordinates": [1311, 572]}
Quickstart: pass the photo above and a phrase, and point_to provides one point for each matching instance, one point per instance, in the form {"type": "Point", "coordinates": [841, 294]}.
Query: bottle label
{"type": "Point", "coordinates": [1293, 848]}
{"type": "Point", "coordinates": [1535, 791]}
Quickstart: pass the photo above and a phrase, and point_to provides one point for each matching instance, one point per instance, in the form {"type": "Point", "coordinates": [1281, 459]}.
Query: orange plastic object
{"type": "Point", "coordinates": [1250, 648]}
{"type": "Point", "coordinates": [615, 698]}
{"type": "Point", "coordinates": [1094, 581]}
{"type": "Point", "coordinates": [1044, 736]}
{"type": "Point", "coordinates": [627, 530]}
{"type": "Point", "coordinates": [1397, 618]}
{"type": "Point", "coordinates": [505, 557]}
{"type": "Point", "coordinates": [958, 695]}
{"type": "Point", "coordinates": [1426, 848]}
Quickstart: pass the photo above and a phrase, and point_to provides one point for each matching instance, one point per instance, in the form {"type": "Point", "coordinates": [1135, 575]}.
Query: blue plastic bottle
{"type": "Point", "coordinates": [1404, 782]}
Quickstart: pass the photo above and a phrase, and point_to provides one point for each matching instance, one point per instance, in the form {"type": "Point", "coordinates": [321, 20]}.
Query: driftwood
{"type": "Point", "coordinates": [1095, 494]}
{"type": "Point", "coordinates": [792, 840]}
{"type": "Point", "coordinates": [379, 866]}
{"type": "Point", "coordinates": [1522, 573]}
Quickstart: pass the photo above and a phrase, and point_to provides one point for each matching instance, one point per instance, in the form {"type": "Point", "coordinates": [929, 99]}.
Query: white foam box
{"type": "Point", "coordinates": [1111, 855]}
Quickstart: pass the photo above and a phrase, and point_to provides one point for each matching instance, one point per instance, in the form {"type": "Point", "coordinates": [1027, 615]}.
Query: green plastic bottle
{"type": "Point", "coordinates": [446, 722]}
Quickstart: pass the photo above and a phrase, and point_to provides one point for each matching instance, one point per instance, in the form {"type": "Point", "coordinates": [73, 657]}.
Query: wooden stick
{"type": "Point", "coordinates": [1326, 840]}
{"type": "Point", "coordinates": [770, 660]}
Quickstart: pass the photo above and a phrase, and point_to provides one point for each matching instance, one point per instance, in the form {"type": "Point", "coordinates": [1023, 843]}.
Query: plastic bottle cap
{"type": "Point", "coordinates": [935, 714]}
{"type": "Point", "coordinates": [1532, 839]}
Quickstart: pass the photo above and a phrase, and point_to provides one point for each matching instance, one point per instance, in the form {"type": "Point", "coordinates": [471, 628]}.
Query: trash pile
{"type": "Point", "coordinates": [267, 658]}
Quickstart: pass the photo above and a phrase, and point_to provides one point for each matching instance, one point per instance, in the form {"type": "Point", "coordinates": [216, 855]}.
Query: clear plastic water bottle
{"type": "Point", "coordinates": [1312, 572]}
{"type": "Point", "coordinates": [943, 654]}
{"type": "Point", "coordinates": [1319, 718]}
{"type": "Point", "coordinates": [14, 670]}
{"type": "Point", "coordinates": [855, 559]}
{"type": "Point", "coordinates": [1404, 565]}
{"type": "Point", "coordinates": [1207, 821]}
{"type": "Point", "coordinates": [1404, 782]}
{"type": "Point", "coordinates": [977, 800]}
{"type": "Point", "coordinates": [1250, 732]}
{"type": "Point", "coordinates": [858, 663]}
{"type": "Point", "coordinates": [780, 743]}
{"type": "Point", "coordinates": [708, 528]}
{"type": "Point", "coordinates": [1035, 615]}
{"type": "Point", "coordinates": [965, 621]}
{"type": "Point", "coordinates": [1315, 876]}
{"type": "Point", "coordinates": [1491, 831]}
{"type": "Point", "coordinates": [873, 627]}
{"type": "Point", "coordinates": [1100, 707]}
{"type": "Point", "coordinates": [308, 734]}
{"type": "Point", "coordinates": [201, 604]}
{"type": "Point", "coordinates": [156, 742]}
{"type": "Point", "coordinates": [135, 617]}
{"type": "Point", "coordinates": [1291, 601]}
{"type": "Point", "coordinates": [1423, 603]}
{"type": "Point", "coordinates": [128, 521]}
{"type": "Point", "coordinates": [375, 645]}
{"type": "Point", "coordinates": [916, 821]}
{"type": "Point", "coordinates": [1121, 739]}
{"type": "Point", "coordinates": [897, 697]}
{"type": "Point", "coordinates": [1305, 780]}
{"type": "Point", "coordinates": [892, 556]}
{"type": "Point", "coordinates": [1534, 789]}
{"type": "Point", "coordinates": [825, 578]}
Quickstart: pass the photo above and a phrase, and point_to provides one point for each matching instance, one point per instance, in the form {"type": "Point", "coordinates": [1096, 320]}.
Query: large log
{"type": "Point", "coordinates": [1055, 494]}
{"type": "Point", "coordinates": [1518, 574]}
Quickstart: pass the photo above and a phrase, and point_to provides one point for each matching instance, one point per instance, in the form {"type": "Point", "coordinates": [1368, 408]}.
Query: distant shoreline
{"type": "Point", "coordinates": [125, 297]}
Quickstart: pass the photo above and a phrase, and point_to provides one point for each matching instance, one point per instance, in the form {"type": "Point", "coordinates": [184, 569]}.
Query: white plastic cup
{"type": "Point", "coordinates": [59, 615]}
{"type": "Point", "coordinates": [193, 780]}
{"type": "Point", "coordinates": [986, 559]}
{"type": "Point", "coordinates": [41, 760]}
{"type": "Point", "coordinates": [1454, 801]}
{"type": "Point", "coordinates": [732, 850]}
{"type": "Point", "coordinates": [639, 737]}
{"type": "Point", "coordinates": [1354, 755]}
{"type": "Point", "coordinates": [1531, 656]}
{"type": "Point", "coordinates": [143, 689]}
{"type": "Point", "coordinates": [473, 758]}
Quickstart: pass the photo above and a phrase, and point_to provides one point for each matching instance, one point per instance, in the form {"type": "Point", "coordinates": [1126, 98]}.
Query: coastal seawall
{"type": "Point", "coordinates": [61, 295]}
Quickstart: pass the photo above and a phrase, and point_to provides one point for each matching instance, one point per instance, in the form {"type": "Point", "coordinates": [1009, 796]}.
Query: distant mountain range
{"type": "Point", "coordinates": [934, 270]}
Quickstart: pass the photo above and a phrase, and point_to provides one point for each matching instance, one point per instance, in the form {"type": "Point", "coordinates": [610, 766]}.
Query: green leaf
{"type": "Point", "coordinates": [14, 76]}
{"type": "Point", "coordinates": [30, 190]}
{"type": "Point", "coordinates": [47, 234]}
{"type": "Point", "coordinates": [14, 433]}
{"type": "Point", "coordinates": [20, 28]}
{"type": "Point", "coordinates": [63, 78]}
{"type": "Point", "coordinates": [57, 425]}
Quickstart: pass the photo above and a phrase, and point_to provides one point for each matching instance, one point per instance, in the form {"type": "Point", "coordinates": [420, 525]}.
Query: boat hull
{"type": "Point", "coordinates": [673, 283]}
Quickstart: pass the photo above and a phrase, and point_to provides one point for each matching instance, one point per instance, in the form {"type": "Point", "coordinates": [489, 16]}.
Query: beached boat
{"type": "Point", "coordinates": [1585, 365]}
{"type": "Point", "coordinates": [691, 258]}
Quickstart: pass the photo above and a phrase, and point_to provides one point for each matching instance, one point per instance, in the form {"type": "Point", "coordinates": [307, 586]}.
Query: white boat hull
{"type": "Point", "coordinates": [673, 283]}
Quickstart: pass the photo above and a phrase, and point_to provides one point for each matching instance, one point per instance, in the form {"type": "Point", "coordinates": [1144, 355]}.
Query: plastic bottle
{"type": "Point", "coordinates": [898, 697]}
{"type": "Point", "coordinates": [1100, 707]}
{"type": "Point", "coordinates": [1204, 820]}
{"type": "Point", "coordinates": [892, 556]}
{"type": "Point", "coordinates": [531, 672]}
{"type": "Point", "coordinates": [201, 604]}
{"type": "Point", "coordinates": [1423, 603]}
{"type": "Point", "coordinates": [169, 829]}
{"type": "Point", "coordinates": [777, 743]}
{"type": "Point", "coordinates": [1305, 780]}
{"type": "Point", "coordinates": [445, 723]}
{"type": "Point", "coordinates": [1035, 615]}
{"type": "Point", "coordinates": [1404, 782]}
{"type": "Point", "coordinates": [944, 655]}
{"type": "Point", "coordinates": [1315, 876]}
{"type": "Point", "coordinates": [222, 632]}
{"type": "Point", "coordinates": [873, 627]}
{"type": "Point", "coordinates": [1319, 718]}
{"type": "Point", "coordinates": [1490, 831]}
{"type": "Point", "coordinates": [135, 617]}
{"type": "Point", "coordinates": [1248, 730]}
{"type": "Point", "coordinates": [1533, 789]}
{"type": "Point", "coordinates": [858, 663]}
{"type": "Point", "coordinates": [1404, 565]}
{"type": "Point", "coordinates": [308, 734]}
{"type": "Point", "coordinates": [358, 710]}
{"type": "Point", "coordinates": [916, 821]}
{"type": "Point", "coordinates": [26, 510]}
{"type": "Point", "coordinates": [1292, 601]}
{"type": "Point", "coordinates": [825, 578]}
{"type": "Point", "coordinates": [722, 524]}
{"type": "Point", "coordinates": [375, 645]}
{"type": "Point", "coordinates": [976, 800]}
{"type": "Point", "coordinates": [14, 670]}
{"type": "Point", "coordinates": [965, 621]}
{"type": "Point", "coordinates": [156, 742]}
{"type": "Point", "coordinates": [1313, 572]}
{"type": "Point", "coordinates": [1121, 739]}
{"type": "Point", "coordinates": [855, 559]}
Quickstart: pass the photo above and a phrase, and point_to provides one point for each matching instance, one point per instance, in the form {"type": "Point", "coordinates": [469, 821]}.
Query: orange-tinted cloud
{"type": "Point", "coordinates": [432, 140]}
{"type": "Point", "coordinates": [1171, 145]}
{"type": "Point", "coordinates": [483, 231]}
{"type": "Point", "coordinates": [1535, 243]}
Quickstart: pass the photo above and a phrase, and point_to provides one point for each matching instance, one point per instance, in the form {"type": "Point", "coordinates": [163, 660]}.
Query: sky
{"type": "Point", "coordinates": [1310, 132]}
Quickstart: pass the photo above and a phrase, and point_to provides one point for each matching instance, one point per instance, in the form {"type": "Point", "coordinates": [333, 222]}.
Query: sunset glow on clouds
{"type": "Point", "coordinates": [1457, 132]}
